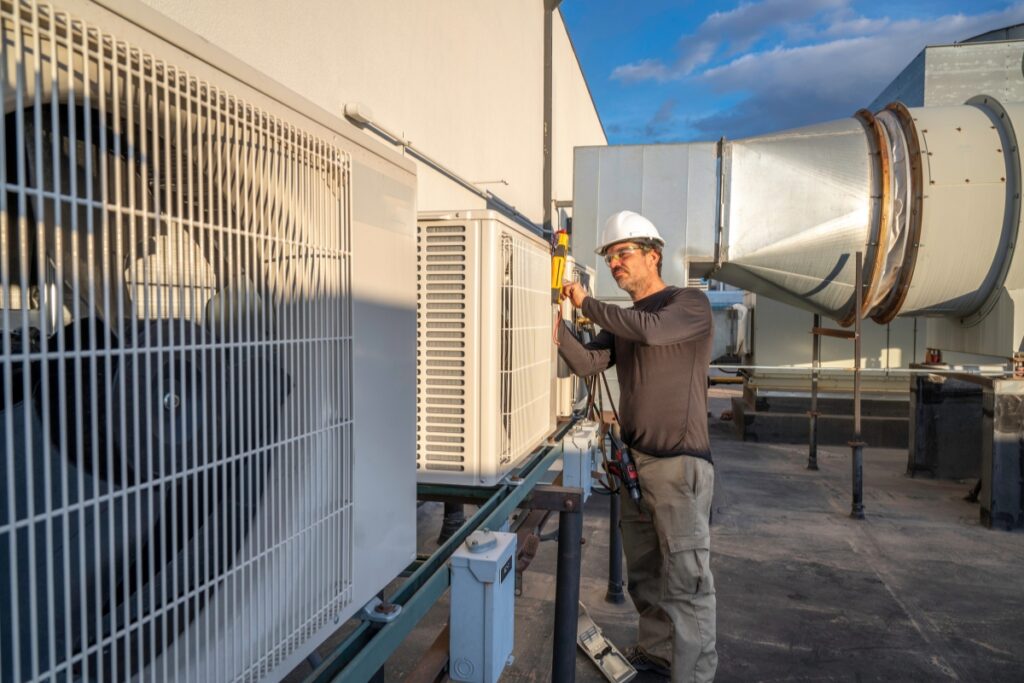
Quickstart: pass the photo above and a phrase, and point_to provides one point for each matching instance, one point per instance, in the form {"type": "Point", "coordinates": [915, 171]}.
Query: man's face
{"type": "Point", "coordinates": [631, 265]}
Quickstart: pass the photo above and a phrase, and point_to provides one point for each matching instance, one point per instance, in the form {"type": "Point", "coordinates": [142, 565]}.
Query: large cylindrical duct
{"type": "Point", "coordinates": [931, 196]}
{"type": "Point", "coordinates": [797, 206]}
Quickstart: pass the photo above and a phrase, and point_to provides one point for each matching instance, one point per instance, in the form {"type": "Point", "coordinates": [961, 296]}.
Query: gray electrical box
{"type": "Point", "coordinates": [581, 456]}
{"type": "Point", "coordinates": [482, 607]}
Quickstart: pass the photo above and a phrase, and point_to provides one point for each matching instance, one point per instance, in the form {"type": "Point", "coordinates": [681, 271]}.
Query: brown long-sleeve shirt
{"type": "Point", "coordinates": [661, 348]}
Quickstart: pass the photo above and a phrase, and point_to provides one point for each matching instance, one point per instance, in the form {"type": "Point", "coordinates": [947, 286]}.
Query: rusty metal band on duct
{"type": "Point", "coordinates": [878, 235]}
{"type": "Point", "coordinates": [893, 302]}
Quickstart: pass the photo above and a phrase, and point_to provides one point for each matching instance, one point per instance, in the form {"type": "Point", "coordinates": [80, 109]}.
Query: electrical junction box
{"type": "Point", "coordinates": [482, 606]}
{"type": "Point", "coordinates": [581, 455]}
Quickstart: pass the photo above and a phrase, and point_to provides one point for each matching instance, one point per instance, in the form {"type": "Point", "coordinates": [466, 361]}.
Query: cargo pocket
{"type": "Point", "coordinates": [687, 571]}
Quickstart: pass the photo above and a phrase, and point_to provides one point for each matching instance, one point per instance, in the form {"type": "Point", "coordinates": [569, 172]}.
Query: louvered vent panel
{"type": "Point", "coordinates": [443, 335]}
{"type": "Point", "coordinates": [175, 363]}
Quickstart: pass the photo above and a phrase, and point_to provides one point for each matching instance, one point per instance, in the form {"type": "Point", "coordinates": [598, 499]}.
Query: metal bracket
{"type": "Point", "coordinates": [379, 611]}
{"type": "Point", "coordinates": [615, 667]}
{"type": "Point", "coordinates": [555, 498]}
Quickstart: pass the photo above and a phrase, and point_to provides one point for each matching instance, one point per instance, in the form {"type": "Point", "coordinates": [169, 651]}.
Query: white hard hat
{"type": "Point", "coordinates": [627, 226]}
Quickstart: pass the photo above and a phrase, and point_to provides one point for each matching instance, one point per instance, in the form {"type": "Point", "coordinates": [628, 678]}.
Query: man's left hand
{"type": "Point", "coordinates": [575, 292]}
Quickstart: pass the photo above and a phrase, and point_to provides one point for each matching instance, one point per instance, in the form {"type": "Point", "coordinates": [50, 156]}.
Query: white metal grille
{"type": "Point", "coordinates": [525, 384]}
{"type": "Point", "coordinates": [175, 364]}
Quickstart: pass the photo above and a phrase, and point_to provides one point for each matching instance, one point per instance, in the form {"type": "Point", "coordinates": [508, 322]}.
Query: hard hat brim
{"type": "Point", "coordinates": [640, 238]}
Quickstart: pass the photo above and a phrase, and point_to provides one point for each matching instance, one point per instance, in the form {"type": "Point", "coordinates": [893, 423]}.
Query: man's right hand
{"type": "Point", "coordinates": [574, 292]}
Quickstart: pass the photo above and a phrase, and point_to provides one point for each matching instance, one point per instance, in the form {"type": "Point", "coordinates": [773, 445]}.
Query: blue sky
{"type": "Point", "coordinates": [678, 70]}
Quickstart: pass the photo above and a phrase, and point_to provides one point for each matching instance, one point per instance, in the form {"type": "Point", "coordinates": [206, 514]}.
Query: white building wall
{"type": "Point", "coordinates": [782, 344]}
{"type": "Point", "coordinates": [576, 123]}
{"type": "Point", "coordinates": [463, 80]}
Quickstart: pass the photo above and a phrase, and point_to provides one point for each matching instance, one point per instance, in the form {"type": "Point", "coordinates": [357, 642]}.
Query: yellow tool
{"type": "Point", "coordinates": [558, 264]}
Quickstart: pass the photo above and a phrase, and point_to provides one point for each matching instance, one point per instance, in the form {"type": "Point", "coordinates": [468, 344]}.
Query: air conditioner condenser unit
{"type": "Point", "coordinates": [194, 346]}
{"type": "Point", "coordinates": [486, 357]}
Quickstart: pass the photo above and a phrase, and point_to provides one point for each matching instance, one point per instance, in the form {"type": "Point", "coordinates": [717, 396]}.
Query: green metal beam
{"type": "Point", "coordinates": [371, 658]}
{"type": "Point", "coordinates": [362, 654]}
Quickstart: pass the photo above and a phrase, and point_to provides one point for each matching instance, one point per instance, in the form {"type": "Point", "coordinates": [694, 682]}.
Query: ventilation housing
{"type": "Point", "coordinates": [486, 358]}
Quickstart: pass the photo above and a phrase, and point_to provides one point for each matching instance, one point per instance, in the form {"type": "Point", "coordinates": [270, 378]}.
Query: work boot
{"type": "Point", "coordinates": [642, 661]}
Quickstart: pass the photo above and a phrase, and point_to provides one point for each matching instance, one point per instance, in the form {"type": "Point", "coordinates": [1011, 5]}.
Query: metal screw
{"type": "Point", "coordinates": [172, 402]}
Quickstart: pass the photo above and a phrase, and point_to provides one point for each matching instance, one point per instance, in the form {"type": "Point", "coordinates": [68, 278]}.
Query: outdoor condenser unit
{"type": "Point", "coordinates": [195, 350]}
{"type": "Point", "coordinates": [486, 358]}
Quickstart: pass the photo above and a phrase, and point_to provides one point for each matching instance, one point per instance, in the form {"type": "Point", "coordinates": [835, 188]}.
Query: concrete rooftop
{"type": "Point", "coordinates": [918, 591]}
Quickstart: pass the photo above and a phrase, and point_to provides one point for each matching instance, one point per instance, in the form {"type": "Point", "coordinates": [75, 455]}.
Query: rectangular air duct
{"type": "Point", "coordinates": [182, 320]}
{"type": "Point", "coordinates": [486, 357]}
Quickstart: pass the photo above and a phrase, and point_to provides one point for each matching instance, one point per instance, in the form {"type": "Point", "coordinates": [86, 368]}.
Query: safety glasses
{"type": "Point", "coordinates": [611, 257]}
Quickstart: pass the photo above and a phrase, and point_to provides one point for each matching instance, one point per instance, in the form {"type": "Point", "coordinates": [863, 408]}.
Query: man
{"type": "Point", "coordinates": [661, 348]}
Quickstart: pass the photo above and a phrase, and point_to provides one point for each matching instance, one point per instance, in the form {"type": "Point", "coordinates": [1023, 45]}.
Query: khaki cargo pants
{"type": "Point", "coordinates": [668, 564]}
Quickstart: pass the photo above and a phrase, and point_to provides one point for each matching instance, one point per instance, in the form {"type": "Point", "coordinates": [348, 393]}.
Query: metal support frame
{"type": "Point", "coordinates": [361, 656]}
{"type": "Point", "coordinates": [812, 450]}
{"type": "Point", "coordinates": [454, 518]}
{"type": "Point", "coordinates": [615, 594]}
{"type": "Point", "coordinates": [567, 594]}
{"type": "Point", "coordinates": [857, 442]}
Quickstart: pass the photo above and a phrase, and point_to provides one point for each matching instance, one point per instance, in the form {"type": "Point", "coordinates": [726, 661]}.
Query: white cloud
{"type": "Point", "coordinates": [856, 26]}
{"type": "Point", "coordinates": [644, 70]}
{"type": "Point", "coordinates": [730, 32]}
{"type": "Point", "coordinates": [789, 86]}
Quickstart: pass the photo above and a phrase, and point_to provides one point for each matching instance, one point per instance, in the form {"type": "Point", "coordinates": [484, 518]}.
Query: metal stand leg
{"type": "Point", "coordinates": [454, 518]}
{"type": "Point", "coordinates": [812, 452]}
{"type": "Point", "coordinates": [857, 444]}
{"type": "Point", "coordinates": [857, 508]}
{"type": "Point", "coordinates": [615, 594]}
{"type": "Point", "coordinates": [567, 596]}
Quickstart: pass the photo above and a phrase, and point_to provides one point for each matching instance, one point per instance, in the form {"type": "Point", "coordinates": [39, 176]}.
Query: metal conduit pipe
{"type": "Point", "coordinates": [931, 196]}
{"type": "Point", "coordinates": [361, 115]}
